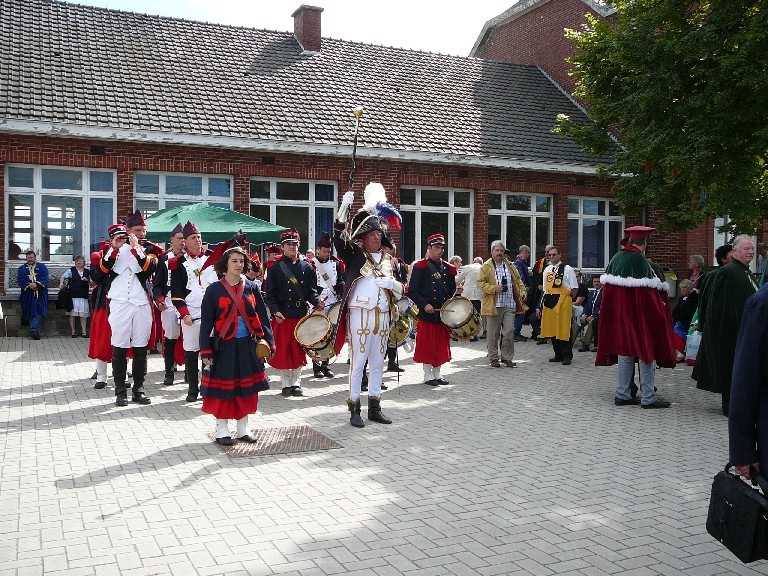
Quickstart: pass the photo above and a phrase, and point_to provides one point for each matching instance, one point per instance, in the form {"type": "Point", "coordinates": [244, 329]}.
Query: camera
{"type": "Point", "coordinates": [504, 286]}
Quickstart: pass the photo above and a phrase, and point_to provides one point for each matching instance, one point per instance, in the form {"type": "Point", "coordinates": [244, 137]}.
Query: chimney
{"type": "Point", "coordinates": [306, 27]}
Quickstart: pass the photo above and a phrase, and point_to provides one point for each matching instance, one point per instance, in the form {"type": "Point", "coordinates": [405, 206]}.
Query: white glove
{"type": "Point", "coordinates": [386, 282]}
{"type": "Point", "coordinates": [348, 199]}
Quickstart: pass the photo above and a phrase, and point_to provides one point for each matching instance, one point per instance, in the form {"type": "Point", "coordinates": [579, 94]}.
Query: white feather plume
{"type": "Point", "coordinates": [373, 194]}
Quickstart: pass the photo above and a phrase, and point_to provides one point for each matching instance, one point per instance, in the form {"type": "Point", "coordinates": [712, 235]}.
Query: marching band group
{"type": "Point", "coordinates": [225, 307]}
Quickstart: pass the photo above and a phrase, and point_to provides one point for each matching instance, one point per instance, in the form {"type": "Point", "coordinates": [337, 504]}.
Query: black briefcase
{"type": "Point", "coordinates": [738, 515]}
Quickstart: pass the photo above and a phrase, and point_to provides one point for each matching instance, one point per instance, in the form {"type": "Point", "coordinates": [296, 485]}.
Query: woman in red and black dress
{"type": "Point", "coordinates": [233, 309]}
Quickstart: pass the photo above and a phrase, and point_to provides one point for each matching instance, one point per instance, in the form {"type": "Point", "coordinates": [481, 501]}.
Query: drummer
{"type": "Point", "coordinates": [291, 286]}
{"type": "Point", "coordinates": [433, 281]}
{"type": "Point", "coordinates": [330, 280]}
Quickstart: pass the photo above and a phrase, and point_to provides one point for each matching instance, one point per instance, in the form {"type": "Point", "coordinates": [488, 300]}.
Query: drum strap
{"type": "Point", "coordinates": [437, 274]}
{"type": "Point", "coordinates": [239, 307]}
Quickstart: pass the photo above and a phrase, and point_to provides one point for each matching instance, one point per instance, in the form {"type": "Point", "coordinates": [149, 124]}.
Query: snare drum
{"type": "Point", "coordinates": [401, 330]}
{"type": "Point", "coordinates": [314, 333]}
{"type": "Point", "coordinates": [460, 316]}
{"type": "Point", "coordinates": [407, 307]}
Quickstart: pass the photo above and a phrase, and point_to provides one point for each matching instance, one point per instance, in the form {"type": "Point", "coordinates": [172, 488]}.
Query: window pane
{"type": "Point", "coordinates": [324, 192]}
{"type": "Point", "coordinates": [573, 205]}
{"type": "Point", "coordinates": [224, 205]}
{"type": "Point", "coordinates": [408, 196]}
{"type": "Point", "coordinates": [101, 181]}
{"type": "Point", "coordinates": [147, 207]}
{"type": "Point", "coordinates": [221, 187]}
{"type": "Point", "coordinates": [260, 211]}
{"type": "Point", "coordinates": [593, 244]}
{"type": "Point", "coordinates": [293, 191]}
{"type": "Point", "coordinates": [494, 232]}
{"type": "Point", "coordinates": [594, 207]}
{"type": "Point", "coordinates": [615, 233]}
{"type": "Point", "coordinates": [572, 257]}
{"type": "Point", "coordinates": [294, 217]}
{"type": "Point", "coordinates": [518, 232]}
{"type": "Point", "coordinates": [543, 203]}
{"type": "Point", "coordinates": [20, 232]}
{"type": "Point", "coordinates": [408, 248]}
{"type": "Point", "coordinates": [461, 200]}
{"type": "Point", "coordinates": [542, 237]}
{"type": "Point", "coordinates": [62, 227]}
{"type": "Point", "coordinates": [175, 203]}
{"type": "Point", "coordinates": [613, 209]}
{"type": "Point", "coordinates": [324, 223]}
{"type": "Point", "coordinates": [432, 223]}
{"type": "Point", "coordinates": [461, 237]}
{"type": "Point", "coordinates": [101, 220]}
{"type": "Point", "coordinates": [515, 202]}
{"type": "Point", "coordinates": [434, 198]}
{"type": "Point", "coordinates": [494, 202]}
{"type": "Point", "coordinates": [54, 179]}
{"type": "Point", "coordinates": [20, 177]}
{"type": "Point", "coordinates": [259, 189]}
{"type": "Point", "coordinates": [147, 184]}
{"type": "Point", "coordinates": [184, 185]}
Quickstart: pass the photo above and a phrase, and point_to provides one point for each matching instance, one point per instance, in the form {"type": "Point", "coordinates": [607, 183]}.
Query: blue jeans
{"type": "Point", "coordinates": [519, 319]}
{"type": "Point", "coordinates": [35, 323]}
{"type": "Point", "coordinates": [626, 375]}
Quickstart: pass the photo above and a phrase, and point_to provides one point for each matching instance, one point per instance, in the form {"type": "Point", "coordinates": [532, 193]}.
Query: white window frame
{"type": "Point", "coordinates": [161, 197]}
{"type": "Point", "coordinates": [273, 202]}
{"type": "Point", "coordinates": [419, 245]}
{"type": "Point", "coordinates": [532, 214]}
{"type": "Point", "coordinates": [36, 192]}
{"type": "Point", "coordinates": [581, 217]}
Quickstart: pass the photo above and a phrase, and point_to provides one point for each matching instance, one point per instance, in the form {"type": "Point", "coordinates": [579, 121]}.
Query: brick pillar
{"type": "Point", "coordinates": [480, 226]}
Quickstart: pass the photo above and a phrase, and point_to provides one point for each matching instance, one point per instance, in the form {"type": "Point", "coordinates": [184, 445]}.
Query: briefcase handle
{"type": "Point", "coordinates": [756, 477]}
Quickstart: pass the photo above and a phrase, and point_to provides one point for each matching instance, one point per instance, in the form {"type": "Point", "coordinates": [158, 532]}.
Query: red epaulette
{"type": "Point", "coordinates": [271, 263]}
{"type": "Point", "coordinates": [173, 263]}
{"type": "Point", "coordinates": [421, 264]}
{"type": "Point", "coordinates": [452, 270]}
{"type": "Point", "coordinates": [342, 267]}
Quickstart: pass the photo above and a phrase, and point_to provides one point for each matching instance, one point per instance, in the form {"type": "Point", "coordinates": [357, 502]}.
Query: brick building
{"type": "Point", "coordinates": [103, 111]}
{"type": "Point", "coordinates": [531, 32]}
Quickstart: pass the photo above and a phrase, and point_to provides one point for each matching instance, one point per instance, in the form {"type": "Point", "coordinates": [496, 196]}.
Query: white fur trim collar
{"type": "Point", "coordinates": [634, 282]}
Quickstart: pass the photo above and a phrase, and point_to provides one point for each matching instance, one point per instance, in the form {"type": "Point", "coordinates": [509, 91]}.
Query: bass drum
{"type": "Point", "coordinates": [314, 333]}
{"type": "Point", "coordinates": [460, 316]}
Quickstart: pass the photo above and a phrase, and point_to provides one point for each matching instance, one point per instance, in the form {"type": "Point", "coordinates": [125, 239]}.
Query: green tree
{"type": "Point", "coordinates": [684, 87]}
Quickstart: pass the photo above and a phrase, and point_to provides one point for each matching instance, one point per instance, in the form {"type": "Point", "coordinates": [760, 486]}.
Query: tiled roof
{"type": "Point", "coordinates": [80, 65]}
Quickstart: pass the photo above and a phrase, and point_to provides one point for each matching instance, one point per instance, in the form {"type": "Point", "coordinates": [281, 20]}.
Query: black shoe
{"type": "Point", "coordinates": [384, 387]}
{"type": "Point", "coordinates": [483, 337]}
{"type": "Point", "coordinates": [247, 438]}
{"type": "Point", "coordinates": [141, 398]}
{"type": "Point", "coordinates": [121, 399]}
{"type": "Point", "coordinates": [541, 341]}
{"type": "Point", "coordinates": [442, 381]}
{"type": "Point", "coordinates": [168, 381]}
{"type": "Point", "coordinates": [354, 414]}
{"type": "Point", "coordinates": [432, 383]}
{"type": "Point", "coordinates": [374, 412]}
{"type": "Point", "coordinates": [327, 372]}
{"type": "Point", "coordinates": [567, 362]}
{"type": "Point", "coordinates": [85, 335]}
{"type": "Point", "coordinates": [394, 368]}
{"type": "Point", "coordinates": [631, 402]}
{"type": "Point", "coordinates": [473, 339]}
{"type": "Point", "coordinates": [297, 391]}
{"type": "Point", "coordinates": [34, 335]}
{"type": "Point", "coordinates": [192, 397]}
{"type": "Point", "coordinates": [286, 391]}
{"type": "Point", "coordinates": [99, 385]}
{"type": "Point", "coordinates": [583, 349]}
{"type": "Point", "coordinates": [74, 335]}
{"type": "Point", "coordinates": [555, 359]}
{"type": "Point", "coordinates": [318, 374]}
{"type": "Point", "coordinates": [658, 404]}
{"type": "Point", "coordinates": [520, 338]}
{"type": "Point", "coordinates": [225, 441]}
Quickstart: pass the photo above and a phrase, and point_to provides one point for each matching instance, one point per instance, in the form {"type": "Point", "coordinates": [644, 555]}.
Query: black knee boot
{"type": "Point", "coordinates": [392, 365]}
{"type": "Point", "coordinates": [374, 411]}
{"type": "Point", "coordinates": [317, 370]}
{"type": "Point", "coordinates": [169, 347]}
{"type": "Point", "coordinates": [325, 370]}
{"type": "Point", "coordinates": [191, 361]}
{"type": "Point", "coordinates": [139, 370]}
{"type": "Point", "coordinates": [119, 371]}
{"type": "Point", "coordinates": [354, 414]}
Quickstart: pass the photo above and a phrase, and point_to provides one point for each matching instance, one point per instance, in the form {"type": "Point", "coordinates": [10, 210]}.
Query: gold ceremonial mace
{"type": "Point", "coordinates": [358, 112]}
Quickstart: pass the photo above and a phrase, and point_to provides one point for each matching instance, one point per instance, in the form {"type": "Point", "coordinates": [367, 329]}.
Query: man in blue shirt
{"type": "Point", "coordinates": [521, 263]}
{"type": "Point", "coordinates": [33, 281]}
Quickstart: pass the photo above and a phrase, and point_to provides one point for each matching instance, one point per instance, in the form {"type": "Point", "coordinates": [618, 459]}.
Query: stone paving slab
{"type": "Point", "coordinates": [530, 470]}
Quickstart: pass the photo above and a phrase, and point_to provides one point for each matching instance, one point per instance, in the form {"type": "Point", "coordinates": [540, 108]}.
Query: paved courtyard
{"type": "Point", "coordinates": [530, 470]}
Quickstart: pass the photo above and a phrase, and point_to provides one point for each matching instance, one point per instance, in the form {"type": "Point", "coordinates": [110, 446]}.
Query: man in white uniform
{"type": "Point", "coordinates": [161, 291]}
{"type": "Point", "coordinates": [330, 280]}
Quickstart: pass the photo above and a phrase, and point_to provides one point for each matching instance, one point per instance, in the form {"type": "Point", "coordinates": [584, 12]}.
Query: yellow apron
{"type": "Point", "coordinates": [556, 322]}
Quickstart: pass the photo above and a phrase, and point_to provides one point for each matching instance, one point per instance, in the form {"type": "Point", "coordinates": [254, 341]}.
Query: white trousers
{"type": "Point", "coordinates": [131, 324]}
{"type": "Point", "coordinates": [170, 320]}
{"type": "Point", "coordinates": [192, 333]}
{"type": "Point", "coordinates": [367, 334]}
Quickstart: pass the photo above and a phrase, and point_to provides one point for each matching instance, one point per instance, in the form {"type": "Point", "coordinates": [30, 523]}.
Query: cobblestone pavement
{"type": "Point", "coordinates": [530, 470]}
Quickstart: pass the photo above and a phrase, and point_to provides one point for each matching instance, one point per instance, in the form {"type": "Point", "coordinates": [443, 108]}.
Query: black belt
{"type": "Point", "coordinates": [294, 303]}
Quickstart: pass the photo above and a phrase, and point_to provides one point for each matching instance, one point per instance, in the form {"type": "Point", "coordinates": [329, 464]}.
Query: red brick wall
{"type": "Point", "coordinates": [537, 37]}
{"type": "Point", "coordinates": [126, 158]}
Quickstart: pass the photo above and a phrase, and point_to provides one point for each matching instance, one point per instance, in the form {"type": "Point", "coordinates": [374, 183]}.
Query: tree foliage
{"type": "Point", "coordinates": [684, 87]}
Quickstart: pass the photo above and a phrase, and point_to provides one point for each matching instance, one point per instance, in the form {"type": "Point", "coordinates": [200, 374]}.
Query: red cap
{"type": "Point", "coordinates": [189, 229]}
{"type": "Point", "coordinates": [436, 239]}
{"type": "Point", "coordinates": [637, 233]}
{"type": "Point", "coordinates": [291, 235]}
{"type": "Point", "coordinates": [276, 249]}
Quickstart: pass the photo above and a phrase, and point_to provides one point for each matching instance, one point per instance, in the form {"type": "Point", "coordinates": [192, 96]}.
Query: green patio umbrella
{"type": "Point", "coordinates": [215, 224]}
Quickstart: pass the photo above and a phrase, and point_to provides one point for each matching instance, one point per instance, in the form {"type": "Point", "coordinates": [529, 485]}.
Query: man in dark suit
{"type": "Point", "coordinates": [591, 315]}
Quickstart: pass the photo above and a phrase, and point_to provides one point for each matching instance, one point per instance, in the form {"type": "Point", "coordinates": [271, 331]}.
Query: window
{"type": "Point", "coordinates": [57, 212]}
{"type": "Point", "coordinates": [427, 211]}
{"type": "Point", "coordinates": [519, 219]}
{"type": "Point", "coordinates": [595, 229]}
{"type": "Point", "coordinates": [155, 191]}
{"type": "Point", "coordinates": [306, 205]}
